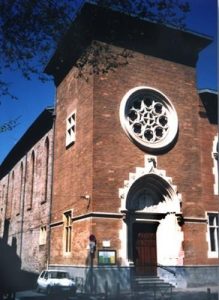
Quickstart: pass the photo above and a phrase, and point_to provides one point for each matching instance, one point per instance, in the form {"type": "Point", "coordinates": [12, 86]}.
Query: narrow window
{"type": "Point", "coordinates": [31, 173]}
{"type": "Point", "coordinates": [67, 231]}
{"type": "Point", "coordinates": [70, 129]}
{"type": "Point", "coordinates": [46, 169]}
{"type": "Point", "coordinates": [8, 196]}
{"type": "Point", "coordinates": [43, 234]}
{"type": "Point", "coordinates": [2, 208]}
{"type": "Point", "coordinates": [18, 202]}
{"type": "Point", "coordinates": [2, 197]}
{"type": "Point", "coordinates": [213, 234]}
{"type": "Point", "coordinates": [11, 201]}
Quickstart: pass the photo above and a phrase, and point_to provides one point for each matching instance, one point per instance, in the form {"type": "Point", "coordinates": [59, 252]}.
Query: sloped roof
{"type": "Point", "coordinates": [34, 133]}
{"type": "Point", "coordinates": [210, 101]}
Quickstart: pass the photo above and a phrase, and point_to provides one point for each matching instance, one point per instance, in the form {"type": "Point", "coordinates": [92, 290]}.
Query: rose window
{"type": "Point", "coordinates": [148, 118]}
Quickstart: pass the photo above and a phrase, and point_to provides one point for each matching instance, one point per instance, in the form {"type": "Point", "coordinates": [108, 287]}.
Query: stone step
{"type": "Point", "coordinates": [150, 282]}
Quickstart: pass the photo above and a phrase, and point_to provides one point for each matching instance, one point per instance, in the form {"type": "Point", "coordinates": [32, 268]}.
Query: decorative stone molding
{"type": "Point", "coordinates": [215, 164]}
{"type": "Point", "coordinates": [148, 118]}
{"type": "Point", "coordinates": [171, 198]}
{"type": "Point", "coordinates": [212, 233]}
{"type": "Point", "coordinates": [161, 203]}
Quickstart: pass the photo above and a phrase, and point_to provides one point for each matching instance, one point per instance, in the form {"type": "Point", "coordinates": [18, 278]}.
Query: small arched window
{"type": "Point", "coordinates": [11, 200]}
{"type": "Point", "coordinates": [46, 168]}
{"type": "Point", "coordinates": [19, 200]}
{"type": "Point", "coordinates": [31, 174]}
{"type": "Point", "coordinates": [2, 198]}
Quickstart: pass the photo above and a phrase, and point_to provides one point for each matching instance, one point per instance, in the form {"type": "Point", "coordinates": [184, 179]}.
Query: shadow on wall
{"type": "Point", "coordinates": [90, 281]}
{"type": "Point", "coordinates": [12, 278]}
{"type": "Point", "coordinates": [104, 279]}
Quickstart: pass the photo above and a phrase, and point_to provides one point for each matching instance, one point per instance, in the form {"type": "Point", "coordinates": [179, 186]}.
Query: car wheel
{"type": "Point", "coordinates": [38, 290]}
{"type": "Point", "coordinates": [49, 290]}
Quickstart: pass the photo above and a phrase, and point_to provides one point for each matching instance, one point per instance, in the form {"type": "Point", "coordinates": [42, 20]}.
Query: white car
{"type": "Point", "coordinates": [56, 281]}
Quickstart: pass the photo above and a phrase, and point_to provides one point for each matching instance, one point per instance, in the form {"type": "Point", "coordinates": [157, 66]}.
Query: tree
{"type": "Point", "coordinates": [30, 29]}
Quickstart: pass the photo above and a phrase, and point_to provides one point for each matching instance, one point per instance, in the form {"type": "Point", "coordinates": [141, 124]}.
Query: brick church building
{"type": "Point", "coordinates": [135, 162]}
{"type": "Point", "coordinates": [134, 166]}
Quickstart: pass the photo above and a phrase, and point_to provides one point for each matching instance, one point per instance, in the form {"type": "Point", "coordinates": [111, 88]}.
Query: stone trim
{"type": "Point", "coordinates": [194, 220]}
{"type": "Point", "coordinates": [150, 168]}
{"type": "Point", "coordinates": [215, 164]}
{"type": "Point", "coordinates": [211, 254]}
{"type": "Point", "coordinates": [55, 224]}
{"type": "Point", "coordinates": [98, 215]}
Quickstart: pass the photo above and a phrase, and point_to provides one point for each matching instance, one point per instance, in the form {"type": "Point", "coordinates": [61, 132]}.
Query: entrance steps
{"type": "Point", "coordinates": [155, 287]}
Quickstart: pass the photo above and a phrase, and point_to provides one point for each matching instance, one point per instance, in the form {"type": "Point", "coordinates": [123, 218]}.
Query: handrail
{"type": "Point", "coordinates": [167, 269]}
{"type": "Point", "coordinates": [157, 265]}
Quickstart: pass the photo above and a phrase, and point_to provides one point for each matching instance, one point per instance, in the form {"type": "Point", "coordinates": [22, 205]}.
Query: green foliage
{"type": "Point", "coordinates": [30, 30]}
{"type": "Point", "coordinates": [7, 126]}
{"type": "Point", "coordinates": [172, 12]}
{"type": "Point", "coordinates": [99, 59]}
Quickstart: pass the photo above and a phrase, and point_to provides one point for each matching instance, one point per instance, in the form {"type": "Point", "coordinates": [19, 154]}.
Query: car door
{"type": "Point", "coordinates": [40, 279]}
{"type": "Point", "coordinates": [43, 280]}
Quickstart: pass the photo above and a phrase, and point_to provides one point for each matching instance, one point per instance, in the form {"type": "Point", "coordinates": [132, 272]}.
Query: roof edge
{"type": "Point", "coordinates": [93, 22]}
{"type": "Point", "coordinates": [42, 124]}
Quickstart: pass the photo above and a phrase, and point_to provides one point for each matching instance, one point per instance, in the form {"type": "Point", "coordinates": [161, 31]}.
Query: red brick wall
{"type": "Point", "coordinates": [73, 166]}
{"type": "Point", "coordinates": [103, 156]}
{"type": "Point", "coordinates": [115, 156]}
{"type": "Point", "coordinates": [26, 226]}
{"type": "Point", "coordinates": [208, 132]}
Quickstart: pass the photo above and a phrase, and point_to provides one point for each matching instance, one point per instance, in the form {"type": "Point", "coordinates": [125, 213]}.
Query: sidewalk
{"type": "Point", "coordinates": [212, 293]}
{"type": "Point", "coordinates": [177, 294]}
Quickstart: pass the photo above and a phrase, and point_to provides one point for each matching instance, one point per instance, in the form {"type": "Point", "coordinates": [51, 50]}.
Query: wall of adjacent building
{"type": "Point", "coordinates": [25, 221]}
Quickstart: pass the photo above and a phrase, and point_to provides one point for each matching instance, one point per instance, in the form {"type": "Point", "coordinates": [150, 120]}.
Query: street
{"type": "Point", "coordinates": [33, 295]}
{"type": "Point", "coordinates": [180, 294]}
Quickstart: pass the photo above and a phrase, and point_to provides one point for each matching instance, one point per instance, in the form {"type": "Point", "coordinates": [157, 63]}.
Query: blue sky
{"type": "Point", "coordinates": [34, 96]}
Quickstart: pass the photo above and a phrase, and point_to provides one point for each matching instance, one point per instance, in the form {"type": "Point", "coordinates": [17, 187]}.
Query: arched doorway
{"type": "Point", "coordinates": [152, 208]}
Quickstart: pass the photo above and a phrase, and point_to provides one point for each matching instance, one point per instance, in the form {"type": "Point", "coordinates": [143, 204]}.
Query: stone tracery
{"type": "Point", "coordinates": [148, 118]}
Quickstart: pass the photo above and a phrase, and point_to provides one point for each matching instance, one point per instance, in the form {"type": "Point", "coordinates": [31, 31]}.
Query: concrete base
{"type": "Point", "coordinates": [190, 276]}
{"type": "Point", "coordinates": [99, 279]}
{"type": "Point", "coordinates": [114, 279]}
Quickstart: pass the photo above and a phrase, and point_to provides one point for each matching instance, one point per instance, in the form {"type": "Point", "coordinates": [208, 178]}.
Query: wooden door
{"type": "Point", "coordinates": [145, 250]}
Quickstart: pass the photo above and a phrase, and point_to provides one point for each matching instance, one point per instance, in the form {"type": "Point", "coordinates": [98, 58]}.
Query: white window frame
{"type": "Point", "coordinates": [43, 235]}
{"type": "Point", "coordinates": [215, 165]}
{"type": "Point", "coordinates": [67, 235]}
{"type": "Point", "coordinates": [215, 253]}
{"type": "Point", "coordinates": [168, 111]}
{"type": "Point", "coordinates": [70, 129]}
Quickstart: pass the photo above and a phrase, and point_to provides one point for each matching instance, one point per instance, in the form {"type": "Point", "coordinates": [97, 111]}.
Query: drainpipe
{"type": "Point", "coordinates": [51, 190]}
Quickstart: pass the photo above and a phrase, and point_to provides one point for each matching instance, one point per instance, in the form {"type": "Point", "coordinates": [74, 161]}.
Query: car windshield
{"type": "Point", "coordinates": [59, 275]}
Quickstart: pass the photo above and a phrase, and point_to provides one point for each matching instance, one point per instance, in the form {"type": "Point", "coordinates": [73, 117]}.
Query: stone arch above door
{"type": "Point", "coordinates": [149, 189]}
{"type": "Point", "coordinates": [149, 197]}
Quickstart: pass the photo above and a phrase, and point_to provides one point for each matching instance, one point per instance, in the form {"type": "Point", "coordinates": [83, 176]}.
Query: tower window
{"type": "Point", "coordinates": [148, 118]}
{"type": "Point", "coordinates": [70, 129]}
